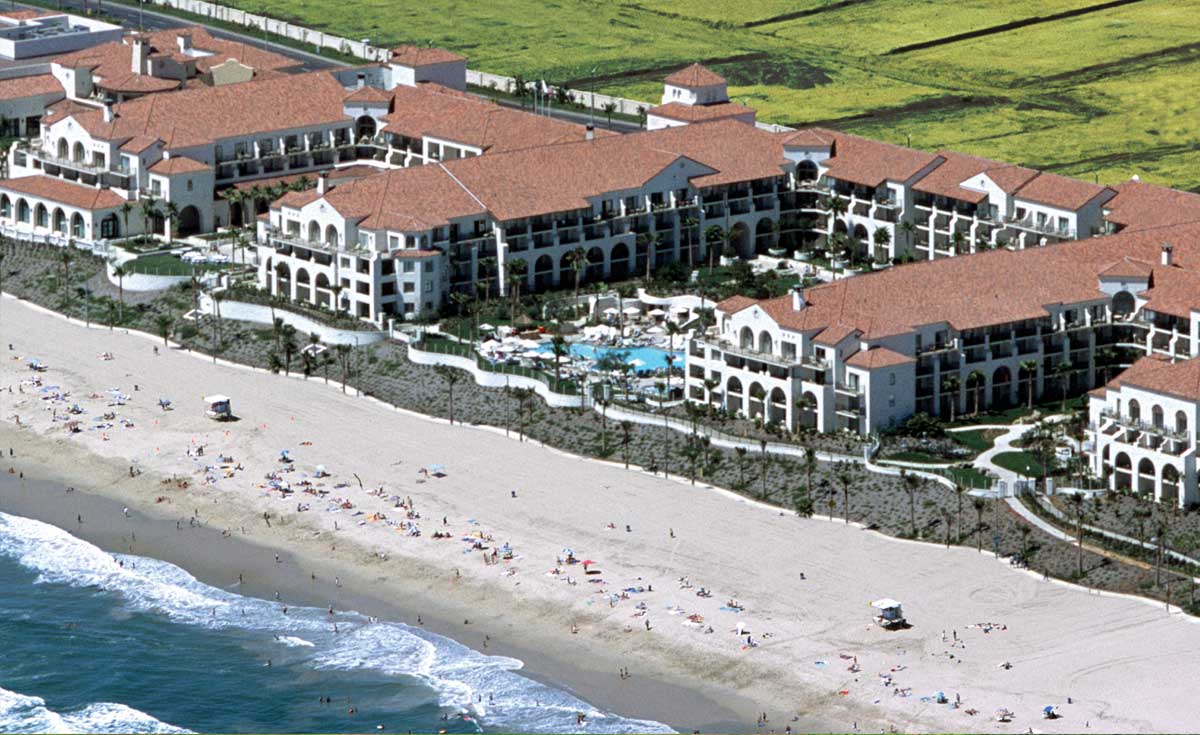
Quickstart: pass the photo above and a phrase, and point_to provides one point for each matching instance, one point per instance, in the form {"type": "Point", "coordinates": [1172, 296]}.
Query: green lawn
{"type": "Point", "coordinates": [1023, 463]}
{"type": "Point", "coordinates": [1096, 95]}
{"type": "Point", "coordinates": [977, 440]}
{"type": "Point", "coordinates": [165, 264]}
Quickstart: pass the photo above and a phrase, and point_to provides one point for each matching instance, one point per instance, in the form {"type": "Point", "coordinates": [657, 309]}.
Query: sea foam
{"type": "Point", "coordinates": [485, 689]}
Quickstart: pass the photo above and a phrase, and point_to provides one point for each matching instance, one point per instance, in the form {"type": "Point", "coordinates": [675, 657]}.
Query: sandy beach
{"type": "Point", "coordinates": [789, 647]}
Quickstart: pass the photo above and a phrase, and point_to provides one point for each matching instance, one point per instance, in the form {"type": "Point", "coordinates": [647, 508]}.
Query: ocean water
{"type": "Point", "coordinates": [91, 642]}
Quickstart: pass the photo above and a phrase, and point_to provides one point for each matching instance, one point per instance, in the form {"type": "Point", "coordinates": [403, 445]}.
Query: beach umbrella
{"type": "Point", "coordinates": [533, 354]}
{"type": "Point", "coordinates": [657, 312]}
{"type": "Point", "coordinates": [655, 330]}
{"type": "Point", "coordinates": [485, 327]}
{"type": "Point", "coordinates": [637, 363]}
{"type": "Point", "coordinates": [568, 552]}
{"type": "Point", "coordinates": [530, 344]}
{"type": "Point", "coordinates": [612, 311]}
{"type": "Point", "coordinates": [632, 310]}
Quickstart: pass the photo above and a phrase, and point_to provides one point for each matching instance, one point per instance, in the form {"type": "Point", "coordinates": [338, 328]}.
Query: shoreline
{"type": "Point", "coordinates": [733, 547]}
{"type": "Point", "coordinates": [205, 553]}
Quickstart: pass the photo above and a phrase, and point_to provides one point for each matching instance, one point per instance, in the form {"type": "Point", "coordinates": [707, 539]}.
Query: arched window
{"type": "Point", "coordinates": [1135, 410]}
{"type": "Point", "coordinates": [77, 228]}
{"type": "Point", "coordinates": [1181, 422]}
{"type": "Point", "coordinates": [747, 338]}
{"type": "Point", "coordinates": [1156, 417]}
{"type": "Point", "coordinates": [22, 210]}
{"type": "Point", "coordinates": [5, 206]}
{"type": "Point", "coordinates": [1123, 303]}
{"type": "Point", "coordinates": [765, 343]}
{"type": "Point", "coordinates": [806, 170]}
{"type": "Point", "coordinates": [41, 217]}
{"type": "Point", "coordinates": [60, 221]}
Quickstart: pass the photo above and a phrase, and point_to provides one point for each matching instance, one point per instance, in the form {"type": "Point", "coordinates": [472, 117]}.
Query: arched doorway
{"type": "Point", "coordinates": [746, 338]}
{"type": "Point", "coordinates": [321, 291]}
{"type": "Point", "coordinates": [566, 270]}
{"type": "Point", "coordinates": [1169, 494]}
{"type": "Point", "coordinates": [543, 273]}
{"type": "Point", "coordinates": [765, 343]}
{"type": "Point", "coordinates": [77, 227]}
{"type": "Point", "coordinates": [764, 235]}
{"type": "Point", "coordinates": [740, 240]}
{"type": "Point", "coordinates": [757, 402]}
{"type": "Point", "coordinates": [314, 232]}
{"type": "Point", "coordinates": [733, 395]}
{"type": "Point", "coordinates": [64, 148]}
{"type": "Point", "coordinates": [1135, 410]}
{"type": "Point", "coordinates": [283, 280]}
{"type": "Point", "coordinates": [303, 285]}
{"type": "Point", "coordinates": [1123, 303]}
{"type": "Point", "coordinates": [331, 236]}
{"type": "Point", "coordinates": [5, 206]}
{"type": "Point", "coordinates": [60, 221]}
{"type": "Point", "coordinates": [595, 264]}
{"type": "Point", "coordinates": [1001, 387]}
{"type": "Point", "coordinates": [1122, 472]}
{"type": "Point", "coordinates": [808, 411]}
{"type": "Point", "coordinates": [22, 210]}
{"type": "Point", "coordinates": [78, 154]}
{"type": "Point", "coordinates": [1147, 478]}
{"type": "Point", "coordinates": [109, 227]}
{"type": "Point", "coordinates": [187, 222]}
{"type": "Point", "coordinates": [806, 170]}
{"type": "Point", "coordinates": [777, 407]}
{"type": "Point", "coordinates": [364, 127]}
{"type": "Point", "coordinates": [619, 261]}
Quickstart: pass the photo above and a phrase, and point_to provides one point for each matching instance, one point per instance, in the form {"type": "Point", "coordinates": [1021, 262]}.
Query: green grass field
{"type": "Point", "coordinates": [1101, 95]}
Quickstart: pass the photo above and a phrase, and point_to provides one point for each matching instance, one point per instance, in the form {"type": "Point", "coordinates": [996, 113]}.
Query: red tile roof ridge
{"type": "Point", "coordinates": [694, 75]}
{"type": "Point", "coordinates": [878, 357]}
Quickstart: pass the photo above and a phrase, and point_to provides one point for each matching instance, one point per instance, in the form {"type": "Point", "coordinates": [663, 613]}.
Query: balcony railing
{"type": "Point", "coordinates": [1043, 228]}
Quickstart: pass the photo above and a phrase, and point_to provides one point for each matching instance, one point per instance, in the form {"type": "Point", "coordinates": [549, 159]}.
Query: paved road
{"type": "Point", "coordinates": [151, 20]}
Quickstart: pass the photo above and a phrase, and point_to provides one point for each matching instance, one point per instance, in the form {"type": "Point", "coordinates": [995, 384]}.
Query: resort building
{"type": "Point", "coordinates": [26, 34]}
{"type": "Point", "coordinates": [996, 329]}
{"type": "Point", "coordinates": [695, 94]}
{"type": "Point", "coordinates": [1142, 430]}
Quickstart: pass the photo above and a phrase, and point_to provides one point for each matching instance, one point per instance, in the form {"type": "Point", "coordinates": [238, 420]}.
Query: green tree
{"type": "Point", "coordinates": [171, 211]}
{"type": "Point", "coordinates": [979, 504]}
{"type": "Point", "coordinates": [289, 347]}
{"type": "Point", "coordinates": [626, 438]}
{"type": "Point", "coordinates": [609, 108]}
{"type": "Point", "coordinates": [1062, 371]}
{"type": "Point", "coordinates": [450, 376]}
{"type": "Point", "coordinates": [1030, 368]}
{"type": "Point", "coordinates": [517, 271]}
{"type": "Point", "coordinates": [1076, 501]}
{"type": "Point", "coordinates": [844, 478]}
{"type": "Point", "coordinates": [119, 272]}
{"type": "Point", "coordinates": [950, 385]}
{"type": "Point", "coordinates": [976, 381]}
{"type": "Point", "coordinates": [165, 324]}
{"type": "Point", "coordinates": [912, 483]}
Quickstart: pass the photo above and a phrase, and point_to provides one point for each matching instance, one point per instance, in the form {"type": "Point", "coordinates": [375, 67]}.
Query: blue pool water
{"type": "Point", "coordinates": [653, 357]}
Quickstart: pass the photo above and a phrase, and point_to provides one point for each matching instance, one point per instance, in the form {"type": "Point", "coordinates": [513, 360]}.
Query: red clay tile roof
{"type": "Point", "coordinates": [406, 199]}
{"type": "Point", "coordinates": [1175, 291]}
{"type": "Point", "coordinates": [432, 110]}
{"type": "Point", "coordinates": [834, 333]}
{"type": "Point", "coordinates": [807, 138]}
{"type": "Point", "coordinates": [139, 143]}
{"type": "Point", "coordinates": [369, 94]}
{"type": "Point", "coordinates": [734, 304]}
{"type": "Point", "coordinates": [696, 75]}
{"type": "Point", "coordinates": [416, 56]}
{"type": "Point", "coordinates": [878, 357]}
{"type": "Point", "coordinates": [1127, 268]}
{"type": "Point", "coordinates": [195, 117]}
{"type": "Point", "coordinates": [991, 288]}
{"type": "Point", "coordinates": [179, 165]}
{"type": "Point", "coordinates": [137, 83]}
{"type": "Point", "coordinates": [956, 168]}
{"type": "Point", "coordinates": [737, 152]}
{"type": "Point", "coordinates": [1180, 379]}
{"type": "Point", "coordinates": [31, 86]}
{"type": "Point", "coordinates": [62, 191]}
{"type": "Point", "coordinates": [870, 162]}
{"type": "Point", "coordinates": [701, 113]}
{"type": "Point", "coordinates": [1145, 205]}
{"type": "Point", "coordinates": [1061, 192]}
{"type": "Point", "coordinates": [115, 59]}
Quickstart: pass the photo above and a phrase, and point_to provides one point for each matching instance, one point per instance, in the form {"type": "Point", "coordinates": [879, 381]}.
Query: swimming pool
{"type": "Point", "coordinates": [652, 358]}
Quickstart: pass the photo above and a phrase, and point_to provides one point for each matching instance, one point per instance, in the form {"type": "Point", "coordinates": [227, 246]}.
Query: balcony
{"type": "Point", "coordinates": [1044, 228]}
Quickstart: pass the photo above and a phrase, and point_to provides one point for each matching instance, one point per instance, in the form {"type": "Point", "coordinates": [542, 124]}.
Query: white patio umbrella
{"type": "Point", "coordinates": [530, 344]}
{"type": "Point", "coordinates": [612, 311]}
{"type": "Point", "coordinates": [507, 348]}
{"type": "Point", "coordinates": [632, 310]}
{"type": "Point", "coordinates": [533, 354]}
{"type": "Point", "coordinates": [655, 330]}
{"type": "Point", "coordinates": [485, 327]}
{"type": "Point", "coordinates": [657, 312]}
{"type": "Point", "coordinates": [637, 363]}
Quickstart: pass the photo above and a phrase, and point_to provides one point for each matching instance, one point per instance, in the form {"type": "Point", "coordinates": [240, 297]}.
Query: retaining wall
{"type": "Point", "coordinates": [261, 314]}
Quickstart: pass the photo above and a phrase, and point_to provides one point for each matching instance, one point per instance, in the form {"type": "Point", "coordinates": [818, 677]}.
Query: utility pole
{"type": "Point", "coordinates": [592, 102]}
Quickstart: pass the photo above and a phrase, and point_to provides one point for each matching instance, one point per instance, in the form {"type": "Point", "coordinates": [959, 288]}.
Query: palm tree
{"type": "Point", "coordinates": [1105, 357]}
{"type": "Point", "coordinates": [343, 354]}
{"type": "Point", "coordinates": [979, 504]}
{"type": "Point", "coordinates": [149, 210]}
{"type": "Point", "coordinates": [978, 381]}
{"type": "Point", "coordinates": [126, 208]}
{"type": "Point", "coordinates": [1140, 516]}
{"type": "Point", "coordinates": [165, 324]}
{"type": "Point", "coordinates": [1062, 371]}
{"type": "Point", "coordinates": [289, 347]}
{"type": "Point", "coordinates": [810, 465]}
{"type": "Point", "coordinates": [650, 242]}
{"type": "Point", "coordinates": [451, 376]}
{"type": "Point", "coordinates": [740, 454]}
{"type": "Point", "coordinates": [119, 272]}
{"type": "Point", "coordinates": [950, 385]}
{"type": "Point", "coordinates": [516, 276]}
{"type": "Point", "coordinates": [578, 258]}
{"type": "Point", "coordinates": [692, 450]}
{"type": "Point", "coordinates": [2, 256]}
{"type": "Point", "coordinates": [946, 525]}
{"type": "Point", "coordinates": [882, 239]}
{"type": "Point", "coordinates": [234, 197]}
{"type": "Point", "coordinates": [65, 255]}
{"type": "Point", "coordinates": [959, 491]}
{"type": "Point", "coordinates": [908, 228]}
{"type": "Point", "coordinates": [626, 431]}
{"type": "Point", "coordinates": [911, 484]}
{"type": "Point", "coordinates": [844, 477]}
{"type": "Point", "coordinates": [713, 234]}
{"type": "Point", "coordinates": [765, 459]}
{"type": "Point", "coordinates": [957, 239]}
{"type": "Point", "coordinates": [1161, 528]}
{"type": "Point", "coordinates": [687, 222]}
{"type": "Point", "coordinates": [1076, 500]}
{"type": "Point", "coordinates": [217, 298]}
{"type": "Point", "coordinates": [524, 398]}
{"type": "Point", "coordinates": [558, 347]}
{"type": "Point", "coordinates": [277, 329]}
{"type": "Point", "coordinates": [172, 214]}
{"type": "Point", "coordinates": [1030, 367]}
{"type": "Point", "coordinates": [609, 108]}
{"type": "Point", "coordinates": [670, 360]}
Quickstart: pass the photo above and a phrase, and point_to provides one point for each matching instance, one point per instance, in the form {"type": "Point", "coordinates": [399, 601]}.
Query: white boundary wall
{"type": "Point", "coordinates": [261, 314]}
{"type": "Point", "coordinates": [489, 379]}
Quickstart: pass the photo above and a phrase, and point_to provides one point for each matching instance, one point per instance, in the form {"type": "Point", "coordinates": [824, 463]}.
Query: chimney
{"type": "Point", "coordinates": [138, 62]}
{"type": "Point", "coordinates": [591, 132]}
{"type": "Point", "coordinates": [1167, 249]}
{"type": "Point", "coordinates": [322, 182]}
{"type": "Point", "coordinates": [797, 297]}
{"type": "Point", "coordinates": [184, 40]}
{"type": "Point", "coordinates": [108, 112]}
